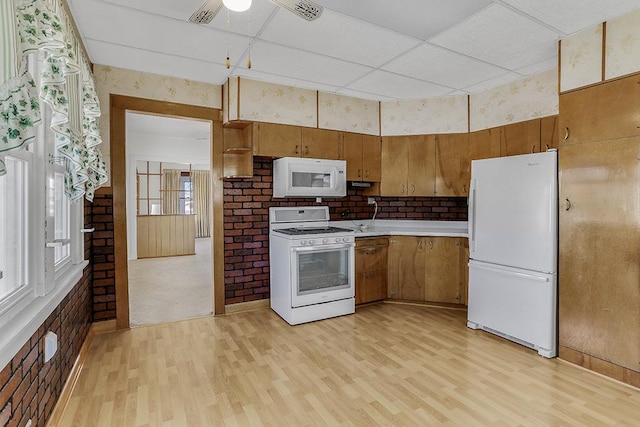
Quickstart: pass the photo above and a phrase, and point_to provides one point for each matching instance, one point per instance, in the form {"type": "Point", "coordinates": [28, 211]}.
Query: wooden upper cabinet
{"type": "Point", "coordinates": [275, 140]}
{"type": "Point", "coordinates": [485, 144]}
{"type": "Point", "coordinates": [320, 143]}
{"type": "Point", "coordinates": [408, 166]}
{"type": "Point", "coordinates": [520, 138]}
{"type": "Point", "coordinates": [371, 156]}
{"type": "Point", "coordinates": [607, 111]}
{"type": "Point", "coordinates": [394, 165]}
{"type": "Point", "coordinates": [452, 165]}
{"type": "Point", "coordinates": [362, 153]}
{"type": "Point", "coordinates": [549, 136]}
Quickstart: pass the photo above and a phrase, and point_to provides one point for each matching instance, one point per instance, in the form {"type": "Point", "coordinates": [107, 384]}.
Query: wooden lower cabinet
{"type": "Point", "coordinates": [599, 247]}
{"type": "Point", "coordinates": [429, 269]}
{"type": "Point", "coordinates": [371, 269]}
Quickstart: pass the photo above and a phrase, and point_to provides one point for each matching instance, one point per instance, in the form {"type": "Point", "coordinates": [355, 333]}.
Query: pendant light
{"type": "Point", "coordinates": [237, 5]}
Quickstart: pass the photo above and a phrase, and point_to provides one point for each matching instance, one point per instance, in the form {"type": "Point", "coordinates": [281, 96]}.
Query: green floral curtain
{"type": "Point", "coordinates": [66, 85]}
{"type": "Point", "coordinates": [19, 107]}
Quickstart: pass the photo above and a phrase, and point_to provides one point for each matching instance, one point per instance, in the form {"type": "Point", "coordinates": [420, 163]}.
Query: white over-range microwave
{"type": "Point", "coordinates": [302, 177]}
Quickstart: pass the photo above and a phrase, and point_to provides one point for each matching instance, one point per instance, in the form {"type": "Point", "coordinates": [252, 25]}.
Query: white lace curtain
{"type": "Point", "coordinates": [171, 192]}
{"type": "Point", "coordinates": [66, 85]}
{"type": "Point", "coordinates": [201, 189]}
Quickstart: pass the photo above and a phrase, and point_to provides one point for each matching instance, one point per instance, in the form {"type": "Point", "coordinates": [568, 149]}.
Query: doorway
{"type": "Point", "coordinates": [168, 218]}
{"type": "Point", "coordinates": [119, 107]}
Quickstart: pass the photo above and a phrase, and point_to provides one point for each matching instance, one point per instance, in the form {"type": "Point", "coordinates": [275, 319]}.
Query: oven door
{"type": "Point", "coordinates": [322, 274]}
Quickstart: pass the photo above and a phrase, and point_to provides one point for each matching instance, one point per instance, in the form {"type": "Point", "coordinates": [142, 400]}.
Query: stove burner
{"type": "Point", "coordinates": [301, 231]}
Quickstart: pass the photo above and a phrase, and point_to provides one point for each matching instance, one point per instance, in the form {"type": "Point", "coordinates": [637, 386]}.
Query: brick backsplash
{"type": "Point", "coordinates": [246, 226]}
{"type": "Point", "coordinates": [29, 387]}
{"type": "Point", "coordinates": [103, 258]}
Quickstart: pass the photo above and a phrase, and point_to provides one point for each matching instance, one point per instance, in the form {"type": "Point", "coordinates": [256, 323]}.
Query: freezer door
{"type": "Point", "coordinates": [516, 304]}
{"type": "Point", "coordinates": [513, 204]}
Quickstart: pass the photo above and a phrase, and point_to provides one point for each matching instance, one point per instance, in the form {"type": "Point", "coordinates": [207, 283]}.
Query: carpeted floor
{"type": "Point", "coordinates": [167, 289]}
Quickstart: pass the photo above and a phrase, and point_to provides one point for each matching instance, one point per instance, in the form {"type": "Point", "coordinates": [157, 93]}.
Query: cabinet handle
{"type": "Point", "coordinates": [297, 150]}
{"type": "Point", "coordinates": [306, 150]}
{"type": "Point", "coordinates": [420, 244]}
{"type": "Point", "coordinates": [547, 146]}
{"type": "Point", "coordinates": [367, 173]}
{"type": "Point", "coordinates": [430, 244]}
{"type": "Point", "coordinates": [566, 133]}
{"type": "Point", "coordinates": [568, 203]}
{"type": "Point", "coordinates": [359, 173]}
{"type": "Point", "coordinates": [402, 189]}
{"type": "Point", "coordinates": [413, 188]}
{"type": "Point", "coordinates": [533, 149]}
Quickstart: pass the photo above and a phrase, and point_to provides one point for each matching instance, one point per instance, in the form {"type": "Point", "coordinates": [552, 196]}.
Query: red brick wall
{"type": "Point", "coordinates": [103, 258]}
{"type": "Point", "coordinates": [29, 388]}
{"type": "Point", "coordinates": [246, 227]}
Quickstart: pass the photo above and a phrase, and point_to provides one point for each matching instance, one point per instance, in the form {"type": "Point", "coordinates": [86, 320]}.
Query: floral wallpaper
{"type": "Point", "coordinates": [581, 58]}
{"type": "Point", "coordinates": [273, 103]}
{"type": "Point", "coordinates": [425, 116]}
{"type": "Point", "coordinates": [623, 45]}
{"type": "Point", "coordinates": [152, 86]}
{"type": "Point", "coordinates": [345, 113]}
{"type": "Point", "coordinates": [525, 99]}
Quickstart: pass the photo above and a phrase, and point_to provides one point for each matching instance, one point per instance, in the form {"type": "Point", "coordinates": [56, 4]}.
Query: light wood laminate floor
{"type": "Point", "coordinates": [386, 365]}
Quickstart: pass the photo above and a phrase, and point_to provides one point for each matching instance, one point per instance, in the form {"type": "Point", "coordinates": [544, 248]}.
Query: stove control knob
{"type": "Point", "coordinates": [337, 240]}
{"type": "Point", "coordinates": [325, 241]}
{"type": "Point", "coordinates": [303, 242]}
{"type": "Point", "coordinates": [311, 242]}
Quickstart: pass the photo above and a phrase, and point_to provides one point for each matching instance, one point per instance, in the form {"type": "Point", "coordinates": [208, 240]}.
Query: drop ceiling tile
{"type": "Point", "coordinates": [570, 16]}
{"type": "Point", "coordinates": [363, 95]}
{"type": "Point", "coordinates": [396, 86]}
{"type": "Point", "coordinates": [179, 9]}
{"type": "Point", "coordinates": [500, 36]}
{"type": "Point", "coordinates": [494, 82]}
{"type": "Point", "coordinates": [442, 66]}
{"type": "Point", "coordinates": [275, 59]}
{"type": "Point", "coordinates": [156, 63]}
{"type": "Point", "coordinates": [338, 36]}
{"type": "Point", "coordinates": [417, 18]}
{"type": "Point", "coordinates": [538, 67]}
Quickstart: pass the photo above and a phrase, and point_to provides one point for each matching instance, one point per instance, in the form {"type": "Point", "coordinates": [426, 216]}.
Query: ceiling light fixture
{"type": "Point", "coordinates": [237, 5]}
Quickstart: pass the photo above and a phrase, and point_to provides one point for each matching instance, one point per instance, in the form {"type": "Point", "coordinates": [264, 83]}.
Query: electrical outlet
{"type": "Point", "coordinates": [370, 200]}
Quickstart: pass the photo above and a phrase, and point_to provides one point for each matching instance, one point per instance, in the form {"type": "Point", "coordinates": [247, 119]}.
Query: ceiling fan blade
{"type": "Point", "coordinates": [206, 12]}
{"type": "Point", "coordinates": [304, 8]}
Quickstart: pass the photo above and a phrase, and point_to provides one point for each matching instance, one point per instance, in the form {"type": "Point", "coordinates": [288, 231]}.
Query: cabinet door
{"type": "Point", "coordinates": [549, 137]}
{"type": "Point", "coordinates": [606, 111]}
{"type": "Point", "coordinates": [352, 153]}
{"type": "Point", "coordinates": [520, 138]}
{"type": "Point", "coordinates": [275, 140]}
{"type": "Point", "coordinates": [320, 143]}
{"type": "Point", "coordinates": [371, 155]}
{"type": "Point", "coordinates": [407, 268]}
{"type": "Point", "coordinates": [421, 165]}
{"type": "Point", "coordinates": [371, 270]}
{"type": "Point", "coordinates": [444, 278]}
{"type": "Point", "coordinates": [484, 144]}
{"type": "Point", "coordinates": [394, 165]}
{"type": "Point", "coordinates": [452, 165]}
{"type": "Point", "coordinates": [599, 262]}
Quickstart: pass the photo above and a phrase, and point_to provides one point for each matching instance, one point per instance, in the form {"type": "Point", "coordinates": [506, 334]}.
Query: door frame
{"type": "Point", "coordinates": [119, 105]}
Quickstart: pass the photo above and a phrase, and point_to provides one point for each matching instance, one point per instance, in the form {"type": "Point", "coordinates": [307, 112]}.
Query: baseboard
{"type": "Point", "coordinates": [602, 367]}
{"type": "Point", "coordinates": [65, 395]}
{"type": "Point", "coordinates": [104, 326]}
{"type": "Point", "coordinates": [247, 306]}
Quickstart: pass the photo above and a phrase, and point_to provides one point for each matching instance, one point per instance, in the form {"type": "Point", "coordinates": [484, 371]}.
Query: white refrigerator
{"type": "Point", "coordinates": [513, 231]}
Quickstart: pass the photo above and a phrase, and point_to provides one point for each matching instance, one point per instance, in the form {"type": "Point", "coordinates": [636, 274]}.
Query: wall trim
{"type": "Point", "coordinates": [247, 306]}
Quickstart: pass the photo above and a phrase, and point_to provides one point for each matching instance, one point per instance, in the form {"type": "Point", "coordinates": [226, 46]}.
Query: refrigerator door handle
{"type": "Point", "coordinates": [514, 273]}
{"type": "Point", "coordinates": [472, 216]}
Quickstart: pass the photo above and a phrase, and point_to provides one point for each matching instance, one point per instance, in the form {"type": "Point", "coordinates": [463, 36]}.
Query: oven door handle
{"type": "Point", "coordinates": [324, 247]}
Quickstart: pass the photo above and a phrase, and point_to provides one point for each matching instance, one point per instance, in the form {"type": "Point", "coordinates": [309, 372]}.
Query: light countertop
{"type": "Point", "coordinates": [387, 227]}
